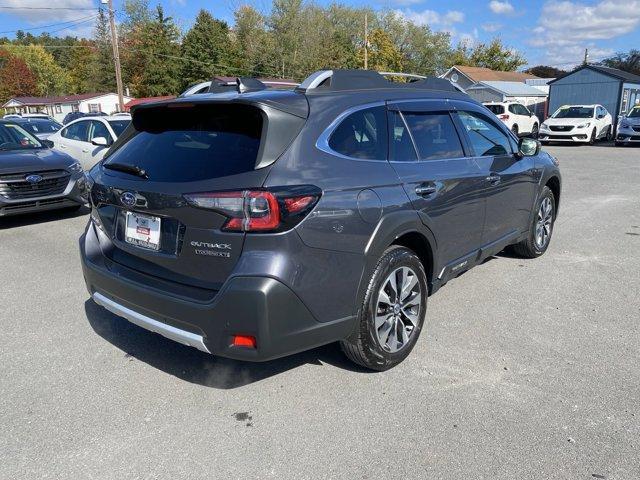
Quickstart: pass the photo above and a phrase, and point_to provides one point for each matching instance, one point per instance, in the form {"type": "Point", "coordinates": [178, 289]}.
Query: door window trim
{"type": "Point", "coordinates": [323, 140]}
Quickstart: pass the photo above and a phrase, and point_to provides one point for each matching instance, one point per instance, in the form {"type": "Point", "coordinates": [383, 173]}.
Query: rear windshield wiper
{"type": "Point", "coordinates": [123, 167]}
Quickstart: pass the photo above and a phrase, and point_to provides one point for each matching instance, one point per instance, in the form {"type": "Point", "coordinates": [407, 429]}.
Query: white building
{"type": "Point", "coordinates": [58, 107]}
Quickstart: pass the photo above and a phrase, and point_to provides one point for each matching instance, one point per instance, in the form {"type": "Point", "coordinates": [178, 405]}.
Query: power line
{"type": "Point", "coordinates": [5, 7]}
{"type": "Point", "coordinates": [50, 25]}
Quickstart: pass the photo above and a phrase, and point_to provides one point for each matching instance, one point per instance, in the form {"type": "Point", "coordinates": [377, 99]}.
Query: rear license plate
{"type": "Point", "coordinates": [142, 231]}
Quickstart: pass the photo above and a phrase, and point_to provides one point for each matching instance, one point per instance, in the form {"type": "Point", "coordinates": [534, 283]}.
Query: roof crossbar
{"type": "Point", "coordinates": [337, 80]}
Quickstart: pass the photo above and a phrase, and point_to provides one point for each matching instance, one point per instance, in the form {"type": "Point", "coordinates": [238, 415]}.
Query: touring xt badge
{"type": "Point", "coordinates": [211, 249]}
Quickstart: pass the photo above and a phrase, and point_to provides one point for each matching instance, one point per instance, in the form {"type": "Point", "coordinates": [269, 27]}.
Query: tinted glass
{"type": "Point", "coordinates": [41, 126]}
{"type": "Point", "coordinates": [496, 109]}
{"type": "Point", "coordinates": [400, 147]}
{"type": "Point", "coordinates": [363, 134]}
{"type": "Point", "coordinates": [435, 136]}
{"type": "Point", "coordinates": [14, 137]}
{"type": "Point", "coordinates": [78, 131]}
{"type": "Point", "coordinates": [183, 145]}
{"type": "Point", "coordinates": [513, 109]}
{"type": "Point", "coordinates": [485, 137]}
{"type": "Point", "coordinates": [634, 113]}
{"type": "Point", "coordinates": [574, 112]}
{"type": "Point", "coordinates": [98, 129]}
{"type": "Point", "coordinates": [118, 126]}
{"type": "Point", "coordinates": [522, 110]}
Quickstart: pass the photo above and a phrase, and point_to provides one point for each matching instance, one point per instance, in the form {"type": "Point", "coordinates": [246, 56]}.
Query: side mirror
{"type": "Point", "coordinates": [47, 143]}
{"type": "Point", "coordinates": [528, 147]}
{"type": "Point", "coordinates": [100, 142]}
{"type": "Point", "coordinates": [530, 113]}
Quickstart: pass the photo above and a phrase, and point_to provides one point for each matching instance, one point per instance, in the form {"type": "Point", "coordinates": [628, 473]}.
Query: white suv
{"type": "Point", "coordinates": [577, 123]}
{"type": "Point", "coordinates": [88, 138]}
{"type": "Point", "coordinates": [516, 116]}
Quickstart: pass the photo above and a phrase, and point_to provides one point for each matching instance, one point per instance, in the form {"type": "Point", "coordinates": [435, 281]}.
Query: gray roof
{"type": "Point", "coordinates": [512, 89]}
{"type": "Point", "coordinates": [612, 72]}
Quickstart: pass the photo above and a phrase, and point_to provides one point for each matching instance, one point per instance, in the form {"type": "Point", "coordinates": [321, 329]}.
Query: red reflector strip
{"type": "Point", "coordinates": [245, 341]}
{"type": "Point", "coordinates": [296, 204]}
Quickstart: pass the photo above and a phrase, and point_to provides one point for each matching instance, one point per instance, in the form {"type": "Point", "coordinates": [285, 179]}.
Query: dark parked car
{"type": "Point", "coordinates": [258, 224]}
{"type": "Point", "coordinates": [71, 116]}
{"type": "Point", "coordinates": [41, 128]}
{"type": "Point", "coordinates": [33, 177]}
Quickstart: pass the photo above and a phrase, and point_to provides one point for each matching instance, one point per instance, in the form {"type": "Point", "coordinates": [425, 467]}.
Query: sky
{"type": "Point", "coordinates": [546, 32]}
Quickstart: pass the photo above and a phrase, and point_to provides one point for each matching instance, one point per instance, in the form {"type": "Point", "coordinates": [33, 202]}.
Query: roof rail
{"type": "Point", "coordinates": [241, 85]}
{"type": "Point", "coordinates": [337, 80]}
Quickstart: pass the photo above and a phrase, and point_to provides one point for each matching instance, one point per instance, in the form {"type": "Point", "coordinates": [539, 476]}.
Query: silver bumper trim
{"type": "Point", "coordinates": [172, 333]}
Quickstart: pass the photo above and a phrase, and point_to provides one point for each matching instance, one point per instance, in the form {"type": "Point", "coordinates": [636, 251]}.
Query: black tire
{"type": "Point", "coordinates": [609, 133]}
{"type": "Point", "coordinates": [363, 346]}
{"type": "Point", "coordinates": [592, 140]}
{"type": "Point", "coordinates": [530, 248]}
{"type": "Point", "coordinates": [534, 131]}
{"type": "Point", "coordinates": [515, 130]}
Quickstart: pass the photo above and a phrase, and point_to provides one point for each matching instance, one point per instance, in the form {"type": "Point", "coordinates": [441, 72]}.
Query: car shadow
{"type": "Point", "coordinates": [197, 367]}
{"type": "Point", "coordinates": [41, 217]}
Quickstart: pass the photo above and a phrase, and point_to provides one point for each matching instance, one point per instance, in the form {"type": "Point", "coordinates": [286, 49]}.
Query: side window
{"type": "Point", "coordinates": [485, 137]}
{"type": "Point", "coordinates": [523, 110]}
{"type": "Point", "coordinates": [363, 134]}
{"type": "Point", "coordinates": [513, 108]}
{"type": "Point", "coordinates": [435, 135]}
{"type": "Point", "coordinates": [98, 129]}
{"type": "Point", "coordinates": [78, 131]}
{"type": "Point", "coordinates": [400, 144]}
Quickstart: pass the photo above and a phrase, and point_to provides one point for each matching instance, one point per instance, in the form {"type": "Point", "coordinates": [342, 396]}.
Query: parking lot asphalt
{"type": "Point", "coordinates": [527, 369]}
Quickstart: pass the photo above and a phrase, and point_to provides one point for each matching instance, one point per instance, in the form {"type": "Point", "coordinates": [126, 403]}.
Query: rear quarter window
{"type": "Point", "coordinates": [362, 135]}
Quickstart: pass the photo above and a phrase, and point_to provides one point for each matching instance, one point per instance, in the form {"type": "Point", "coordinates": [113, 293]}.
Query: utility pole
{"type": "Point", "coordinates": [366, 44]}
{"type": "Point", "coordinates": [586, 56]}
{"type": "Point", "coordinates": [116, 54]}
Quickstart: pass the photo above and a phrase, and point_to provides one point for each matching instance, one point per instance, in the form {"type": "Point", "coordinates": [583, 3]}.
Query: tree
{"type": "Point", "coordinates": [493, 55]}
{"type": "Point", "coordinates": [383, 54]}
{"type": "Point", "coordinates": [81, 70]}
{"type": "Point", "coordinates": [629, 62]}
{"type": "Point", "coordinates": [103, 73]}
{"type": "Point", "coordinates": [205, 50]}
{"type": "Point", "coordinates": [16, 79]}
{"type": "Point", "coordinates": [160, 45]}
{"type": "Point", "coordinates": [253, 46]}
{"type": "Point", "coordinates": [51, 79]}
{"type": "Point", "coordinates": [544, 71]}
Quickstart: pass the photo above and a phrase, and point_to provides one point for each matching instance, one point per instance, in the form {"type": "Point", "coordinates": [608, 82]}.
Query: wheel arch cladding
{"type": "Point", "coordinates": [554, 185]}
{"type": "Point", "coordinates": [420, 245]}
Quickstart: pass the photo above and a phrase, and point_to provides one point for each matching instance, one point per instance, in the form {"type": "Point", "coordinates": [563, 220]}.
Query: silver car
{"type": "Point", "coordinates": [629, 128]}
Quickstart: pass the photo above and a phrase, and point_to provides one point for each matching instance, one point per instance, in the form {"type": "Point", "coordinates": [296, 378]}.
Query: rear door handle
{"type": "Point", "coordinates": [425, 190]}
{"type": "Point", "coordinates": [493, 179]}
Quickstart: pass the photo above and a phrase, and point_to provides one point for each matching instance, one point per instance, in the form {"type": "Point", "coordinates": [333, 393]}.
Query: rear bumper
{"type": "Point", "coordinates": [75, 194]}
{"type": "Point", "coordinates": [246, 305]}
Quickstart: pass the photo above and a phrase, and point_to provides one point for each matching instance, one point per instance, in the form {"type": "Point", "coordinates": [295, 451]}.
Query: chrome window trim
{"type": "Point", "coordinates": [323, 140]}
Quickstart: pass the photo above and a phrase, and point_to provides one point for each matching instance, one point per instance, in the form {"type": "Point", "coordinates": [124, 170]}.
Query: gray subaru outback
{"type": "Point", "coordinates": [254, 223]}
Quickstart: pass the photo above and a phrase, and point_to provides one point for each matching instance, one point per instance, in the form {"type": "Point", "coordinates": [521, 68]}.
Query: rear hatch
{"type": "Point", "coordinates": [140, 192]}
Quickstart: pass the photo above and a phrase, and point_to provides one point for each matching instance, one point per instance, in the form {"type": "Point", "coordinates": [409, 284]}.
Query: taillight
{"type": "Point", "coordinates": [503, 117]}
{"type": "Point", "coordinates": [259, 210]}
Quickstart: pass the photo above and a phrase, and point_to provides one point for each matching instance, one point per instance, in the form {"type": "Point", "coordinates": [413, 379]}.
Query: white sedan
{"type": "Point", "coordinates": [577, 123]}
{"type": "Point", "coordinates": [88, 138]}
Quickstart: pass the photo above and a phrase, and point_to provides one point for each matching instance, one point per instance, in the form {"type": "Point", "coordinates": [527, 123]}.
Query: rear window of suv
{"type": "Point", "coordinates": [193, 143]}
{"type": "Point", "coordinates": [496, 109]}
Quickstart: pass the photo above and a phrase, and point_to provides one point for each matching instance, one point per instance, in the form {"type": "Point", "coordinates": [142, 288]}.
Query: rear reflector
{"type": "Point", "coordinates": [245, 341]}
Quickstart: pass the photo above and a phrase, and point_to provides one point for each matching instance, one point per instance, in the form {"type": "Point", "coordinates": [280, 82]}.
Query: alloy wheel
{"type": "Point", "coordinates": [544, 223]}
{"type": "Point", "coordinates": [398, 309]}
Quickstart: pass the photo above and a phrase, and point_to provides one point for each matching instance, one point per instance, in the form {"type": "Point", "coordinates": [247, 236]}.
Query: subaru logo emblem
{"type": "Point", "coordinates": [33, 178]}
{"type": "Point", "coordinates": [128, 199]}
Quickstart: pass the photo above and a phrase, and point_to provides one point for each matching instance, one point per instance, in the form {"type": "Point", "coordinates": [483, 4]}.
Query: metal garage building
{"type": "Point", "coordinates": [614, 89]}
